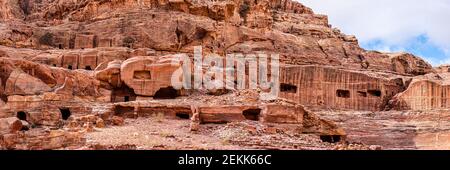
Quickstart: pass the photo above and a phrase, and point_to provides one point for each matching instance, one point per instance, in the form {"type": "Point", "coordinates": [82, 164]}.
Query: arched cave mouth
{"type": "Point", "coordinates": [166, 93]}
{"type": "Point", "coordinates": [21, 115]}
{"type": "Point", "coordinates": [252, 114]}
{"type": "Point", "coordinates": [65, 113]}
{"type": "Point", "coordinates": [330, 138]}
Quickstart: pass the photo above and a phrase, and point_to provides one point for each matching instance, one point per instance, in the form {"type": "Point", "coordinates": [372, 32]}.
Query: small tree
{"type": "Point", "coordinates": [128, 41]}
{"type": "Point", "coordinates": [244, 9]}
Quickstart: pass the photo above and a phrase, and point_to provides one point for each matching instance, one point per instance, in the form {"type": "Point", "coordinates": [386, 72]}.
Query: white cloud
{"type": "Point", "coordinates": [392, 21]}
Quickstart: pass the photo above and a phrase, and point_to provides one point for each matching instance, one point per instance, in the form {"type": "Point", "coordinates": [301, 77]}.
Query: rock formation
{"type": "Point", "coordinates": [431, 91]}
{"type": "Point", "coordinates": [84, 64]}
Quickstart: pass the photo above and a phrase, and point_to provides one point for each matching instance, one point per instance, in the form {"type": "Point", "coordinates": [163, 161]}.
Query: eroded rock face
{"type": "Point", "coordinates": [10, 125]}
{"type": "Point", "coordinates": [10, 9]}
{"type": "Point", "coordinates": [42, 139]}
{"type": "Point", "coordinates": [395, 130]}
{"type": "Point", "coordinates": [20, 83]}
{"type": "Point", "coordinates": [304, 120]}
{"type": "Point", "coordinates": [332, 88]}
{"type": "Point", "coordinates": [78, 65]}
{"type": "Point", "coordinates": [147, 75]}
{"type": "Point", "coordinates": [443, 69]}
{"type": "Point", "coordinates": [21, 77]}
{"type": "Point", "coordinates": [243, 26]}
{"type": "Point", "coordinates": [404, 63]}
{"type": "Point", "coordinates": [431, 91]}
{"type": "Point", "coordinates": [41, 92]}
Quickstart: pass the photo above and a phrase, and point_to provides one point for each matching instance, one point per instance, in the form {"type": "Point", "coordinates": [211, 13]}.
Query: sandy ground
{"type": "Point", "coordinates": [169, 134]}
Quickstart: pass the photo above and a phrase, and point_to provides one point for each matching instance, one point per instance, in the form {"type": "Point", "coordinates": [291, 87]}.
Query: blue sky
{"type": "Point", "coordinates": [415, 26]}
{"type": "Point", "coordinates": [420, 46]}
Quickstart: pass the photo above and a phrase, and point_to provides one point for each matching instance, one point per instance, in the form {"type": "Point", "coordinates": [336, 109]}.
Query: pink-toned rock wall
{"type": "Point", "coordinates": [21, 83]}
{"type": "Point", "coordinates": [443, 69]}
{"type": "Point", "coordinates": [283, 114]}
{"type": "Point", "coordinates": [45, 109]}
{"type": "Point", "coordinates": [84, 41]}
{"type": "Point", "coordinates": [333, 88]}
{"type": "Point", "coordinates": [147, 75]}
{"type": "Point", "coordinates": [70, 61]}
{"type": "Point", "coordinates": [424, 95]}
{"type": "Point", "coordinates": [88, 62]}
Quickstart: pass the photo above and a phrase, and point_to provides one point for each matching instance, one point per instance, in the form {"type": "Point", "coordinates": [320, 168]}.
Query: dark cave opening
{"type": "Point", "coordinates": [252, 114]}
{"type": "Point", "coordinates": [21, 115]}
{"type": "Point", "coordinates": [343, 93]}
{"type": "Point", "coordinates": [183, 115]}
{"type": "Point", "coordinates": [166, 93]}
{"type": "Point", "coordinates": [288, 88]}
{"type": "Point", "coordinates": [376, 93]}
{"type": "Point", "coordinates": [65, 113]}
{"type": "Point", "coordinates": [330, 138]}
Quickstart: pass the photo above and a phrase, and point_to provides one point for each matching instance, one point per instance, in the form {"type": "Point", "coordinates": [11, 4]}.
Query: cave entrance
{"type": "Point", "coordinates": [123, 94]}
{"type": "Point", "coordinates": [21, 115]}
{"type": "Point", "coordinates": [69, 67]}
{"type": "Point", "coordinates": [330, 138]}
{"type": "Point", "coordinates": [88, 68]}
{"type": "Point", "coordinates": [166, 93]}
{"type": "Point", "coordinates": [183, 115]}
{"type": "Point", "coordinates": [343, 93]}
{"type": "Point", "coordinates": [65, 113]}
{"type": "Point", "coordinates": [288, 88]}
{"type": "Point", "coordinates": [376, 93]}
{"type": "Point", "coordinates": [252, 114]}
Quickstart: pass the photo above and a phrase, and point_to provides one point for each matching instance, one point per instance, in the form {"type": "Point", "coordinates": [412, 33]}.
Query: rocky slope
{"type": "Point", "coordinates": [81, 65]}
{"type": "Point", "coordinates": [284, 27]}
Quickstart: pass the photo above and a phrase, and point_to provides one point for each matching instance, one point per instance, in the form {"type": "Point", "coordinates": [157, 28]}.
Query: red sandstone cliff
{"type": "Point", "coordinates": [95, 58]}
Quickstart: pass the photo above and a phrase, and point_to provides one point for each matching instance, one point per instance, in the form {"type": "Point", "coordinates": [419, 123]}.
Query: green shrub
{"type": "Point", "coordinates": [128, 40]}
{"type": "Point", "coordinates": [244, 9]}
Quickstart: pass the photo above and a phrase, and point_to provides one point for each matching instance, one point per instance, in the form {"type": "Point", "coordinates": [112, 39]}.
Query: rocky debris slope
{"type": "Point", "coordinates": [23, 77]}
{"type": "Point", "coordinates": [72, 68]}
{"type": "Point", "coordinates": [395, 129]}
{"type": "Point", "coordinates": [146, 133]}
